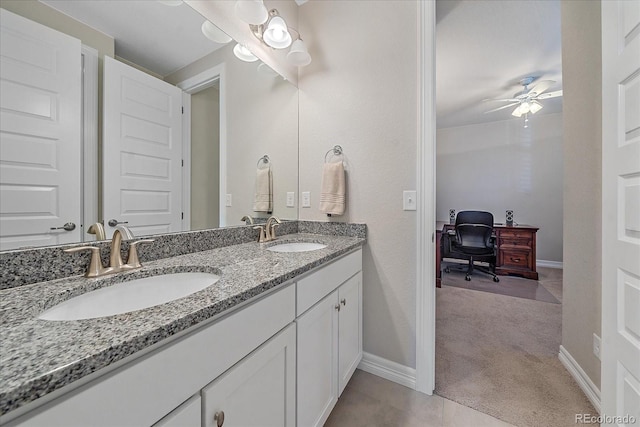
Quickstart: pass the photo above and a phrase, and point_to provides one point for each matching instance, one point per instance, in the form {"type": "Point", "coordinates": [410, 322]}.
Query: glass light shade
{"type": "Point", "coordinates": [516, 112]}
{"type": "Point", "coordinates": [525, 108]}
{"type": "Point", "coordinates": [252, 12]}
{"type": "Point", "coordinates": [298, 55]}
{"type": "Point", "coordinates": [277, 35]}
{"type": "Point", "coordinates": [214, 33]}
{"type": "Point", "coordinates": [535, 107]}
{"type": "Point", "coordinates": [243, 54]}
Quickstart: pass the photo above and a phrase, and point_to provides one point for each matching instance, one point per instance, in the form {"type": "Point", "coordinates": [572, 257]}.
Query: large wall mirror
{"type": "Point", "coordinates": [186, 136]}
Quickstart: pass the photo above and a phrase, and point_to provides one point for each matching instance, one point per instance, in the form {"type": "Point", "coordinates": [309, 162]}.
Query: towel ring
{"type": "Point", "coordinates": [264, 159]}
{"type": "Point", "coordinates": [336, 151]}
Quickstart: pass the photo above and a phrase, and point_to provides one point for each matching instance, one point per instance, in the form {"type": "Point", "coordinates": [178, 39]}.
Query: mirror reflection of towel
{"type": "Point", "coordinates": [263, 201]}
{"type": "Point", "coordinates": [332, 191]}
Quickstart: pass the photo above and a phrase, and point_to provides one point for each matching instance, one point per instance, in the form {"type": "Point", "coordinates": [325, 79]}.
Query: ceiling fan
{"type": "Point", "coordinates": [527, 101]}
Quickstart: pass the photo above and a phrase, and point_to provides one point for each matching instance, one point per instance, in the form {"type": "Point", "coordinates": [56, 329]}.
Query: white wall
{"type": "Point", "coordinates": [582, 98]}
{"type": "Point", "coordinates": [360, 91]}
{"type": "Point", "coordinates": [501, 165]}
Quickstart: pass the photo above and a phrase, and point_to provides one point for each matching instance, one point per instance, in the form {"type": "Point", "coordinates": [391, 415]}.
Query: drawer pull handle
{"type": "Point", "coordinates": [515, 259]}
{"type": "Point", "coordinates": [337, 307]}
{"type": "Point", "coordinates": [343, 301]}
{"type": "Point", "coordinates": [219, 418]}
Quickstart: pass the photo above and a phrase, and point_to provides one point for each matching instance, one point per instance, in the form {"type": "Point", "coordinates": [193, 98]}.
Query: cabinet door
{"type": "Point", "coordinates": [350, 329]}
{"type": "Point", "coordinates": [318, 362]}
{"type": "Point", "coordinates": [259, 390]}
{"type": "Point", "coordinates": [189, 414]}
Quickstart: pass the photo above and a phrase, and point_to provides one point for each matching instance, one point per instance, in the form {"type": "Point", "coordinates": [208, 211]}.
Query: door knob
{"type": "Point", "coordinates": [70, 226]}
{"type": "Point", "coordinates": [114, 222]}
{"type": "Point", "coordinates": [219, 418]}
{"type": "Point", "coordinates": [343, 301]}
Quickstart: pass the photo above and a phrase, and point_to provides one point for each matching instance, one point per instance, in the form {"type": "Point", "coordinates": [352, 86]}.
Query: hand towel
{"type": "Point", "coordinates": [332, 190]}
{"type": "Point", "coordinates": [263, 201]}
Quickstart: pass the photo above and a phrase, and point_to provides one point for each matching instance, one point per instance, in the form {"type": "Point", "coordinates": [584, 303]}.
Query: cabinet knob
{"type": "Point", "coordinates": [218, 417]}
{"type": "Point", "coordinates": [337, 307]}
{"type": "Point", "coordinates": [343, 301]}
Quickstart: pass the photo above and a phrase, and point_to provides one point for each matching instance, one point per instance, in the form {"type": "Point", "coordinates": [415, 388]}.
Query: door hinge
{"type": "Point", "coordinates": [182, 110]}
{"type": "Point", "coordinates": [182, 215]}
{"type": "Point", "coordinates": [182, 162]}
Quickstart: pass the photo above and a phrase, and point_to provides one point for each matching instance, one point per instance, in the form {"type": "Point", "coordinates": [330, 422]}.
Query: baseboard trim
{"type": "Point", "coordinates": [584, 382]}
{"type": "Point", "coordinates": [388, 370]}
{"type": "Point", "coordinates": [548, 264]}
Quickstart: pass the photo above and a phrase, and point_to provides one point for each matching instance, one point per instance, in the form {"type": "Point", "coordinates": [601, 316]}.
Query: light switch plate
{"type": "Point", "coordinates": [228, 200]}
{"type": "Point", "coordinates": [306, 199]}
{"type": "Point", "coordinates": [409, 200]}
{"type": "Point", "coordinates": [291, 197]}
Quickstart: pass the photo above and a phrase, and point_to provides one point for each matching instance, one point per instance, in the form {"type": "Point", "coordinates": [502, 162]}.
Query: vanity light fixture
{"type": "Point", "coordinates": [244, 54]}
{"type": "Point", "coordinates": [214, 33]}
{"type": "Point", "coordinates": [272, 30]}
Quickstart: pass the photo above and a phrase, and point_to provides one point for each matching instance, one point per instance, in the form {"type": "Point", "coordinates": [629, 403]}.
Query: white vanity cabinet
{"type": "Point", "coordinates": [259, 390]}
{"type": "Point", "coordinates": [329, 336]}
{"type": "Point", "coordinates": [189, 414]}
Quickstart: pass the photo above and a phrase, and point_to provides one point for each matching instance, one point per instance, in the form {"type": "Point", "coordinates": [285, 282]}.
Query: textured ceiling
{"type": "Point", "coordinates": [485, 47]}
{"type": "Point", "coordinates": [157, 37]}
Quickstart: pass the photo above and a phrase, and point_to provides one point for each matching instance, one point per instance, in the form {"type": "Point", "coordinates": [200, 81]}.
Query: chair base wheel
{"type": "Point", "coordinates": [447, 270]}
{"type": "Point", "coordinates": [467, 278]}
{"type": "Point", "coordinates": [495, 279]}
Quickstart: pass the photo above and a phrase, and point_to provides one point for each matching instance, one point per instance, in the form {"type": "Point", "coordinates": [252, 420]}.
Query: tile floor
{"type": "Point", "coordinates": [369, 400]}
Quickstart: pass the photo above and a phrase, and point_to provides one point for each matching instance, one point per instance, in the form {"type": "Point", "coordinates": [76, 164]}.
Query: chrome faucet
{"type": "Point", "coordinates": [248, 220]}
{"type": "Point", "coordinates": [116, 264]}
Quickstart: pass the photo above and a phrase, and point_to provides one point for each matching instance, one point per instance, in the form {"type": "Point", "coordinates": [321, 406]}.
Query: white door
{"type": "Point", "coordinates": [259, 391]}
{"type": "Point", "coordinates": [349, 329]}
{"type": "Point", "coordinates": [621, 210]}
{"type": "Point", "coordinates": [318, 362]}
{"type": "Point", "coordinates": [142, 151]}
{"type": "Point", "coordinates": [40, 128]}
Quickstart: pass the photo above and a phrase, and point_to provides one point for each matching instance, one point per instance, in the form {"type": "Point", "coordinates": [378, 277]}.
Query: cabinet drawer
{"type": "Point", "coordinates": [321, 283]}
{"type": "Point", "coordinates": [515, 258]}
{"type": "Point", "coordinates": [517, 241]}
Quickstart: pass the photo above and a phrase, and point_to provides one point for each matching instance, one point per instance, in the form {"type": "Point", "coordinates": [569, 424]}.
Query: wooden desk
{"type": "Point", "coordinates": [516, 250]}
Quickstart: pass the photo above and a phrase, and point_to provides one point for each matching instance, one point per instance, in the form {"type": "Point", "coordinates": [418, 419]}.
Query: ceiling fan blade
{"type": "Point", "coordinates": [501, 100]}
{"type": "Point", "coordinates": [554, 94]}
{"type": "Point", "coordinates": [540, 87]}
{"type": "Point", "coordinates": [501, 108]}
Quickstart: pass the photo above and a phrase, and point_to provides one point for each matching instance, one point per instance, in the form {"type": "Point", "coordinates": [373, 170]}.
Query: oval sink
{"type": "Point", "coordinates": [130, 296]}
{"type": "Point", "coordinates": [296, 247]}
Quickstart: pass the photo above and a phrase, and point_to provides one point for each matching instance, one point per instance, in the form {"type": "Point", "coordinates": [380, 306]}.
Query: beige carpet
{"type": "Point", "coordinates": [499, 354]}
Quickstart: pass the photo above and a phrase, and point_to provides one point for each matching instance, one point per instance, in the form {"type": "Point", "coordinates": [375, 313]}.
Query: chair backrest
{"type": "Point", "coordinates": [474, 230]}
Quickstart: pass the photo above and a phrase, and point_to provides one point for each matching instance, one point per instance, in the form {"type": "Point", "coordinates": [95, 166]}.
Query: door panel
{"type": "Point", "coordinates": [40, 134]}
{"type": "Point", "coordinates": [142, 151]}
{"type": "Point", "coordinates": [350, 329]}
{"type": "Point", "coordinates": [621, 208]}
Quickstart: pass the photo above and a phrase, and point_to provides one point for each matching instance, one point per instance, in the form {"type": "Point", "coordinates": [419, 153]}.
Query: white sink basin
{"type": "Point", "coordinates": [296, 247]}
{"type": "Point", "coordinates": [130, 296]}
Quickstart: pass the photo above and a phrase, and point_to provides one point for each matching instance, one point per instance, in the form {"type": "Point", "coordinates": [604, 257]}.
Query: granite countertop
{"type": "Point", "coordinates": [40, 356]}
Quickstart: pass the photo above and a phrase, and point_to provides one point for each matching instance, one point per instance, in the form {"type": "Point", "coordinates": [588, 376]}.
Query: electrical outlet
{"type": "Point", "coordinates": [291, 197]}
{"type": "Point", "coordinates": [596, 345]}
{"type": "Point", "coordinates": [306, 199]}
{"type": "Point", "coordinates": [409, 200]}
{"type": "Point", "coordinates": [228, 200]}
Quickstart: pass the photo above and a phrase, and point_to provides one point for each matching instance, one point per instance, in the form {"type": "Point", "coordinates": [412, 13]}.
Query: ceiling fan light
{"type": "Point", "coordinates": [277, 34]}
{"type": "Point", "coordinates": [214, 33]}
{"type": "Point", "coordinates": [244, 54]}
{"type": "Point", "coordinates": [252, 12]}
{"type": "Point", "coordinates": [535, 107]}
{"type": "Point", "coordinates": [525, 107]}
{"type": "Point", "coordinates": [516, 112]}
{"type": "Point", "coordinates": [298, 55]}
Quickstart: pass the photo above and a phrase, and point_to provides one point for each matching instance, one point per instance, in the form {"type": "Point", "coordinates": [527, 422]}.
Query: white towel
{"type": "Point", "coordinates": [332, 191]}
{"type": "Point", "coordinates": [263, 201]}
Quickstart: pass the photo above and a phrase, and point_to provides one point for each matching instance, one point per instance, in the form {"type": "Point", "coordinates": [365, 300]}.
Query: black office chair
{"type": "Point", "coordinates": [473, 239]}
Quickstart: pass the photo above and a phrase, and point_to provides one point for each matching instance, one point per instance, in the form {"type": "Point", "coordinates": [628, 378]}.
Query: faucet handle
{"type": "Point", "coordinates": [133, 260]}
{"type": "Point", "coordinates": [95, 266]}
{"type": "Point", "coordinates": [262, 237]}
{"type": "Point", "coordinates": [273, 230]}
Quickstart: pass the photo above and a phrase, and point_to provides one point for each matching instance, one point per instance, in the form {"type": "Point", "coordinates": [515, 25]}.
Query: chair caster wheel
{"type": "Point", "coordinates": [495, 279]}
{"type": "Point", "coordinates": [447, 270]}
{"type": "Point", "coordinates": [467, 278]}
